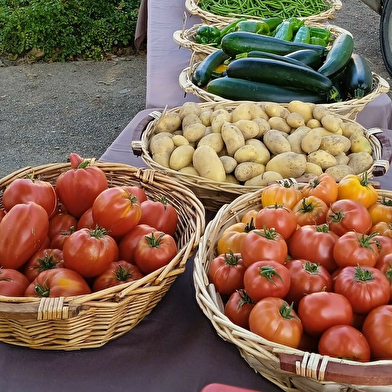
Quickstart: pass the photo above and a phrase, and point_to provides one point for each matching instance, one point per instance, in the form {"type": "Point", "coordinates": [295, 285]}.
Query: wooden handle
{"type": "Point", "coordinates": [386, 153]}
{"type": "Point", "coordinates": [137, 134]}
{"type": "Point", "coordinates": [323, 369]}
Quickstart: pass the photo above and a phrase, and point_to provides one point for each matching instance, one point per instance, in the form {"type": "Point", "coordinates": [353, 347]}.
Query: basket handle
{"type": "Point", "coordinates": [323, 368]}
{"type": "Point", "coordinates": [381, 166]}
{"type": "Point", "coordinates": [45, 309]}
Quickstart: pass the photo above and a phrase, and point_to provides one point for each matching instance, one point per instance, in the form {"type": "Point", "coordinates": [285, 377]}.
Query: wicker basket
{"type": "Point", "coordinates": [349, 108]}
{"type": "Point", "coordinates": [214, 194]}
{"type": "Point", "coordinates": [291, 369]}
{"type": "Point", "coordinates": [89, 321]}
{"type": "Point", "coordinates": [186, 38]}
{"type": "Point", "coordinates": [207, 17]}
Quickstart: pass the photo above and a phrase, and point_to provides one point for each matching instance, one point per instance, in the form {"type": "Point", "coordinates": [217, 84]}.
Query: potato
{"type": "Point", "coordinates": [264, 179]}
{"type": "Point", "coordinates": [313, 123]}
{"type": "Point", "coordinates": [263, 124]}
{"type": "Point", "coordinates": [168, 122]}
{"type": "Point", "coordinates": [335, 144]}
{"type": "Point", "coordinates": [279, 124]}
{"type": "Point", "coordinates": [189, 108]}
{"type": "Point", "coordinates": [242, 112]}
{"type": "Point", "coordinates": [233, 138]}
{"type": "Point", "coordinates": [161, 142]}
{"type": "Point", "coordinates": [360, 143]}
{"type": "Point", "coordinates": [249, 128]}
{"type": "Point", "coordinates": [247, 153]}
{"type": "Point", "coordinates": [312, 168]}
{"type": "Point", "coordinates": [213, 140]}
{"type": "Point", "coordinates": [311, 141]}
{"type": "Point", "coordinates": [319, 111]}
{"type": "Point", "coordinates": [360, 161]}
{"type": "Point", "coordinates": [295, 120]}
{"type": "Point", "coordinates": [179, 140]}
{"type": "Point", "coordinates": [218, 120]}
{"type": "Point", "coordinates": [288, 164]}
{"type": "Point", "coordinates": [205, 117]}
{"type": "Point", "coordinates": [257, 111]}
{"type": "Point", "coordinates": [342, 158]}
{"type": "Point", "coordinates": [349, 128]}
{"type": "Point", "coordinates": [229, 163]}
{"type": "Point", "coordinates": [207, 163]}
{"type": "Point", "coordinates": [322, 158]}
{"type": "Point", "coordinates": [276, 142]}
{"type": "Point", "coordinates": [189, 170]}
{"type": "Point", "coordinates": [275, 110]}
{"type": "Point", "coordinates": [221, 112]}
{"type": "Point", "coordinates": [230, 178]}
{"type": "Point", "coordinates": [181, 157]}
{"type": "Point", "coordinates": [190, 119]}
{"type": "Point", "coordinates": [295, 138]}
{"type": "Point", "coordinates": [163, 158]}
{"type": "Point", "coordinates": [247, 170]}
{"type": "Point", "coordinates": [263, 154]}
{"type": "Point", "coordinates": [331, 123]}
{"type": "Point", "coordinates": [194, 132]}
{"type": "Point", "coordinates": [339, 171]}
{"type": "Point", "coordinates": [303, 108]}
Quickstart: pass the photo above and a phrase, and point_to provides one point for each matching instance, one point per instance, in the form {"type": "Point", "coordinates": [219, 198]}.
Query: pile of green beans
{"type": "Point", "coordinates": [264, 8]}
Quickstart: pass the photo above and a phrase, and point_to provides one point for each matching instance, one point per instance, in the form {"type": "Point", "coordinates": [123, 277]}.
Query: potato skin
{"type": "Point", "coordinates": [233, 137]}
{"type": "Point", "coordinates": [207, 163]}
{"type": "Point", "coordinates": [181, 157]}
{"type": "Point", "coordinates": [288, 164]}
{"type": "Point", "coordinates": [276, 142]}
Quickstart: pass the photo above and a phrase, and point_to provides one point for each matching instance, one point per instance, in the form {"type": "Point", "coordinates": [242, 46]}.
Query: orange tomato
{"type": "Point", "coordinates": [284, 193]}
{"type": "Point", "coordinates": [324, 187]}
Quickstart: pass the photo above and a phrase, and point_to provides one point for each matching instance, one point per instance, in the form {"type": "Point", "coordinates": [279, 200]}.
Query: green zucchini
{"type": "Point", "coordinates": [203, 71]}
{"type": "Point", "coordinates": [280, 73]}
{"type": "Point", "coordinates": [307, 56]}
{"type": "Point", "coordinates": [357, 77]}
{"type": "Point", "coordinates": [338, 56]}
{"type": "Point", "coordinates": [246, 90]}
{"type": "Point", "coordinates": [241, 42]}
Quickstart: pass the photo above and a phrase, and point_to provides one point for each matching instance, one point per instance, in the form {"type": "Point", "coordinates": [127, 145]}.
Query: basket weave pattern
{"type": "Point", "coordinates": [89, 321]}
{"type": "Point", "coordinates": [291, 369]}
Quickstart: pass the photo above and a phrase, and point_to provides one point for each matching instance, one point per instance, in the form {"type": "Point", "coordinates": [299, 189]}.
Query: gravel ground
{"type": "Point", "coordinates": [50, 110]}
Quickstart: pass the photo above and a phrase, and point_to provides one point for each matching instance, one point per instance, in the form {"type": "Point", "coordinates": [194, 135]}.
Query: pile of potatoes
{"type": "Point", "coordinates": [254, 143]}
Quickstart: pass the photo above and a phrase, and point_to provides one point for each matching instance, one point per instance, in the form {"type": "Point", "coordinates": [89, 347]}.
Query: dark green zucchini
{"type": "Point", "coordinates": [246, 90]}
{"type": "Point", "coordinates": [357, 77]}
{"type": "Point", "coordinates": [281, 73]}
{"type": "Point", "coordinates": [241, 42]}
{"type": "Point", "coordinates": [307, 56]}
{"type": "Point", "coordinates": [203, 71]}
{"type": "Point", "coordinates": [338, 56]}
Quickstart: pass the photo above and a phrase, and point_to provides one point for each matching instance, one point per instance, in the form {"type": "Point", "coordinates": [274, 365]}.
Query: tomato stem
{"type": "Point", "coordinates": [362, 274]}
{"type": "Point", "coordinates": [232, 259]}
{"type": "Point", "coordinates": [42, 291]}
{"type": "Point", "coordinates": [285, 311]}
{"type": "Point", "coordinates": [268, 272]}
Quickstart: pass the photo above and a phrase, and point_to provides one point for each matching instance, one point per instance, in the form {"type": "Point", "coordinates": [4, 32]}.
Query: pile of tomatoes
{"type": "Point", "coordinates": [312, 269]}
{"type": "Point", "coordinates": [80, 235]}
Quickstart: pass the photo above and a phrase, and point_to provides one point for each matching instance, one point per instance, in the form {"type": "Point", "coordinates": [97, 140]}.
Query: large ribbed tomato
{"type": "Point", "coordinates": [381, 211]}
{"type": "Point", "coordinates": [23, 230]}
{"type": "Point", "coordinates": [310, 210]}
{"type": "Point", "coordinates": [284, 193]}
{"type": "Point", "coordinates": [232, 237]}
{"type": "Point", "coordinates": [323, 186]}
{"type": "Point", "coordinates": [238, 307]}
{"type": "Point", "coordinates": [61, 222]}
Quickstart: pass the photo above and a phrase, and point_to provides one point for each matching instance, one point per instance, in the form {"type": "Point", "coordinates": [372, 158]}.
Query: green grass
{"type": "Point", "coordinates": [61, 30]}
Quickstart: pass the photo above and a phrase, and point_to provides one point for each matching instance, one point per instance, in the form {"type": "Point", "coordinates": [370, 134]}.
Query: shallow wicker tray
{"type": "Point", "coordinates": [291, 369]}
{"type": "Point", "coordinates": [214, 194]}
{"type": "Point", "coordinates": [88, 321]}
{"type": "Point", "coordinates": [207, 17]}
{"type": "Point", "coordinates": [186, 37]}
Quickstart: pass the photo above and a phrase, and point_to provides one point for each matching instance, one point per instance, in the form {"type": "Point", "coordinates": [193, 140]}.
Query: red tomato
{"type": "Point", "coordinates": [136, 191]}
{"type": "Point", "coordinates": [61, 222]}
{"type": "Point", "coordinates": [2, 214]}
{"type": "Point", "coordinates": [314, 243]}
{"type": "Point", "coordinates": [284, 193]}
{"type": "Point", "coordinates": [232, 237]}
{"type": "Point", "coordinates": [118, 272]}
{"type": "Point", "coordinates": [154, 251]}
{"type": "Point", "coordinates": [263, 245]}
{"type": "Point", "coordinates": [86, 221]}
{"type": "Point", "coordinates": [226, 272]}
{"type": "Point", "coordinates": [266, 278]}
{"type": "Point", "coordinates": [43, 260]}
{"type": "Point", "coordinates": [365, 288]}
{"type": "Point", "coordinates": [344, 341]}
{"type": "Point", "coordinates": [23, 230]}
{"type": "Point", "coordinates": [128, 242]}
{"type": "Point", "coordinates": [384, 245]}
{"type": "Point", "coordinates": [355, 249]}
{"type": "Point", "coordinates": [377, 330]}
{"type": "Point", "coordinates": [160, 214]}
{"type": "Point", "coordinates": [277, 217]}
{"type": "Point", "coordinates": [238, 308]}
{"type": "Point", "coordinates": [78, 187]}
{"type": "Point", "coordinates": [23, 190]}
{"type": "Point", "coordinates": [116, 210]}
{"type": "Point", "coordinates": [324, 187]}
{"type": "Point", "coordinates": [89, 252]}
{"type": "Point", "coordinates": [58, 282]}
{"type": "Point", "coordinates": [322, 310]}
{"type": "Point", "coordinates": [384, 264]}
{"type": "Point", "coordinates": [272, 318]}
{"type": "Point", "coordinates": [305, 278]}
{"type": "Point", "coordinates": [348, 215]}
{"type": "Point", "coordinates": [12, 283]}
{"type": "Point", "coordinates": [310, 211]}
{"type": "Point", "coordinates": [58, 241]}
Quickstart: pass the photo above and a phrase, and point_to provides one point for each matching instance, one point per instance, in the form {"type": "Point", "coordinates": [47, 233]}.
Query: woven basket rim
{"type": "Point", "coordinates": [248, 343]}
{"type": "Point", "coordinates": [208, 17]}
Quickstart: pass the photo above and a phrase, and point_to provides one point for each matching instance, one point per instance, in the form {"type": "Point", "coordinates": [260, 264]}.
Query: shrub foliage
{"type": "Point", "coordinates": [65, 29]}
